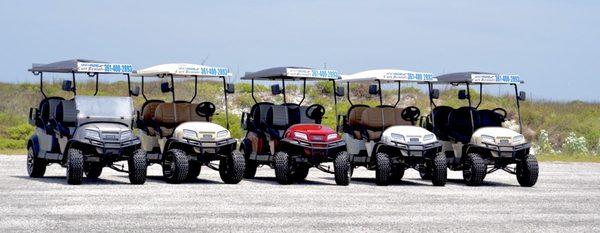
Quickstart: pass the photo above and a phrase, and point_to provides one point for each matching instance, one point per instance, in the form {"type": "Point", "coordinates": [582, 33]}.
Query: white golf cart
{"type": "Point", "coordinates": [474, 140]}
{"type": "Point", "coordinates": [386, 138]}
{"type": "Point", "coordinates": [83, 134]}
{"type": "Point", "coordinates": [180, 135]}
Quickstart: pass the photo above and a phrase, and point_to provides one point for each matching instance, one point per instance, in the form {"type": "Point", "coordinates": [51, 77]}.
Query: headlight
{"type": "Point", "coordinates": [92, 134]}
{"type": "Point", "coordinates": [332, 136]}
{"type": "Point", "coordinates": [487, 138]}
{"type": "Point", "coordinates": [398, 137]}
{"type": "Point", "coordinates": [429, 137]}
{"type": "Point", "coordinates": [299, 135]}
{"type": "Point", "coordinates": [222, 134]}
{"type": "Point", "coordinates": [518, 139]}
{"type": "Point", "coordinates": [127, 135]}
{"type": "Point", "coordinates": [190, 134]}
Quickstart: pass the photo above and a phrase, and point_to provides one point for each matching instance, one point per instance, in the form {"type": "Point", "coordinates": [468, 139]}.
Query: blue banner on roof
{"type": "Point", "coordinates": [311, 73]}
{"type": "Point", "coordinates": [104, 67]}
{"type": "Point", "coordinates": [495, 78]}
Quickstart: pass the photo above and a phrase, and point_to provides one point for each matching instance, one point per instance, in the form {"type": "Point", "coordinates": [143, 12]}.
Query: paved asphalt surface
{"type": "Point", "coordinates": [566, 198]}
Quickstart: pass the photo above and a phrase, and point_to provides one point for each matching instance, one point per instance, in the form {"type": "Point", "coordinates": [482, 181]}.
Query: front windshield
{"type": "Point", "coordinates": [104, 107]}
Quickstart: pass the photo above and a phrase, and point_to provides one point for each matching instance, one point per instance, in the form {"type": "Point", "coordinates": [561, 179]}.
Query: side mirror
{"type": "Point", "coordinates": [462, 94]}
{"type": "Point", "coordinates": [230, 88]}
{"type": "Point", "coordinates": [435, 94]}
{"type": "Point", "coordinates": [522, 96]}
{"type": "Point", "coordinates": [339, 91]}
{"type": "Point", "coordinates": [135, 91]}
{"type": "Point", "coordinates": [275, 90]}
{"type": "Point", "coordinates": [373, 90]}
{"type": "Point", "coordinates": [164, 87]}
{"type": "Point", "coordinates": [67, 85]}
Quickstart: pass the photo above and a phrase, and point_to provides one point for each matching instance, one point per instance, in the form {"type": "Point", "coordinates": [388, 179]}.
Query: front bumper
{"type": "Point", "coordinates": [224, 146]}
{"type": "Point", "coordinates": [109, 147]}
{"type": "Point", "coordinates": [417, 149]}
{"type": "Point", "coordinates": [507, 150]}
{"type": "Point", "coordinates": [311, 148]}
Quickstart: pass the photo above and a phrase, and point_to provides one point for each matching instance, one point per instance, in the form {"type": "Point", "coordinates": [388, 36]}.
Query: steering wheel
{"type": "Point", "coordinates": [315, 111]}
{"type": "Point", "coordinates": [205, 109]}
{"type": "Point", "coordinates": [410, 113]}
{"type": "Point", "coordinates": [501, 112]}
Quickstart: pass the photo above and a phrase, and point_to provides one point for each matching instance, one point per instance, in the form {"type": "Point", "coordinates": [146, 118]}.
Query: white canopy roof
{"type": "Point", "coordinates": [292, 72]}
{"type": "Point", "coordinates": [388, 75]}
{"type": "Point", "coordinates": [82, 66]}
{"type": "Point", "coordinates": [480, 77]}
{"type": "Point", "coordinates": [183, 70]}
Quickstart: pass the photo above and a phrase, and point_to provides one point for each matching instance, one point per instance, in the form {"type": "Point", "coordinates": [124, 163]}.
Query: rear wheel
{"type": "Point", "coordinates": [439, 170]}
{"type": "Point", "coordinates": [283, 168]}
{"type": "Point", "coordinates": [93, 170]}
{"type": "Point", "coordinates": [342, 168]}
{"type": "Point", "coordinates": [74, 166]}
{"type": "Point", "coordinates": [397, 174]}
{"type": "Point", "coordinates": [138, 167]}
{"type": "Point", "coordinates": [194, 170]}
{"type": "Point", "coordinates": [251, 165]}
{"type": "Point", "coordinates": [301, 173]}
{"type": "Point", "coordinates": [231, 168]}
{"type": "Point", "coordinates": [527, 171]}
{"type": "Point", "coordinates": [474, 170]}
{"type": "Point", "coordinates": [176, 165]}
{"type": "Point", "coordinates": [383, 169]}
{"type": "Point", "coordinates": [425, 175]}
{"type": "Point", "coordinates": [36, 167]}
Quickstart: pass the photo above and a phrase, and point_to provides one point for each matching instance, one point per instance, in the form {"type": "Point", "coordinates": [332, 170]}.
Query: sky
{"type": "Point", "coordinates": [552, 45]}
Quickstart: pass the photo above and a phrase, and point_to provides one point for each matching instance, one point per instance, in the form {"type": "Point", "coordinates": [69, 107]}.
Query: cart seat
{"type": "Point", "coordinates": [376, 120]}
{"type": "Point", "coordinates": [460, 125]}
{"type": "Point", "coordinates": [398, 120]}
{"type": "Point", "coordinates": [66, 117]}
{"type": "Point", "coordinates": [440, 121]}
{"type": "Point", "coordinates": [147, 115]}
{"type": "Point", "coordinates": [168, 116]}
{"type": "Point", "coordinates": [278, 120]}
{"type": "Point", "coordinates": [258, 112]}
{"type": "Point", "coordinates": [47, 108]}
{"type": "Point", "coordinates": [489, 118]}
{"type": "Point", "coordinates": [354, 120]}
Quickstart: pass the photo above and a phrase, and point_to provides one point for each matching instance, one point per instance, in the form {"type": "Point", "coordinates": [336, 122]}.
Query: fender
{"type": "Point", "coordinates": [33, 143]}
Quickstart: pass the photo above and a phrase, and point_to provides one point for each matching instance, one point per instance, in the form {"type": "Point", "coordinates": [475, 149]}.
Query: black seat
{"type": "Point", "coordinates": [294, 113]}
{"type": "Point", "coordinates": [488, 118]}
{"type": "Point", "coordinates": [66, 117]}
{"type": "Point", "coordinates": [278, 120]}
{"type": "Point", "coordinates": [440, 121]}
{"type": "Point", "coordinates": [460, 123]}
{"type": "Point", "coordinates": [258, 113]}
{"type": "Point", "coordinates": [47, 108]}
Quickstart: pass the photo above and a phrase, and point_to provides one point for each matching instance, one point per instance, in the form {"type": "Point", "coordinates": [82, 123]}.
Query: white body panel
{"type": "Point", "coordinates": [409, 132]}
{"type": "Point", "coordinates": [497, 132]}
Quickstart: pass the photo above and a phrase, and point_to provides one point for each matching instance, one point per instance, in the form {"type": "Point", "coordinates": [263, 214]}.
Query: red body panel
{"type": "Point", "coordinates": [315, 132]}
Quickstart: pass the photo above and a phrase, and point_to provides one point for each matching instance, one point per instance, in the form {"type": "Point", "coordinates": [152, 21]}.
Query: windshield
{"type": "Point", "coordinates": [104, 107]}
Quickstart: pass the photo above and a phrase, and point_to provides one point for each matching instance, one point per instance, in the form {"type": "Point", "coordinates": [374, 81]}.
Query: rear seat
{"type": "Point", "coordinates": [148, 110]}
{"type": "Point", "coordinates": [354, 120]}
{"type": "Point", "coordinates": [169, 115]}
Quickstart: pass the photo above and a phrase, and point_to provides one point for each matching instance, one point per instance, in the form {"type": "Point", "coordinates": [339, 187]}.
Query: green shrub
{"type": "Point", "coordinates": [19, 132]}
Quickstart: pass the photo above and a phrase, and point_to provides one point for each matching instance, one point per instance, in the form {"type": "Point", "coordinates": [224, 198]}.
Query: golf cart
{"type": "Point", "coordinates": [386, 138]}
{"type": "Point", "coordinates": [180, 135]}
{"type": "Point", "coordinates": [474, 140]}
{"type": "Point", "coordinates": [82, 134]}
{"type": "Point", "coordinates": [290, 136]}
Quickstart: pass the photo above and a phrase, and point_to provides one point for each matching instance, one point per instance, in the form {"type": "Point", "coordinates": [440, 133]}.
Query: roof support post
{"type": "Point", "coordinates": [96, 92]}
{"type": "Point", "coordinates": [518, 108]}
{"type": "Point", "coordinates": [42, 84]}
{"type": "Point", "coordinates": [283, 90]}
{"type": "Point", "coordinates": [226, 107]}
{"type": "Point", "coordinates": [252, 91]}
{"type": "Point", "coordinates": [172, 88]}
{"type": "Point", "coordinates": [195, 88]}
{"type": "Point", "coordinates": [380, 93]}
{"type": "Point", "coordinates": [74, 84]}
{"type": "Point", "coordinates": [304, 92]}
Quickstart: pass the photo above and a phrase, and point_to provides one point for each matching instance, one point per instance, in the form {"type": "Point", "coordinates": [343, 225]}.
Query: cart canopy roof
{"type": "Point", "coordinates": [388, 75]}
{"type": "Point", "coordinates": [479, 77]}
{"type": "Point", "coordinates": [292, 73]}
{"type": "Point", "coordinates": [82, 66]}
{"type": "Point", "coordinates": [183, 70]}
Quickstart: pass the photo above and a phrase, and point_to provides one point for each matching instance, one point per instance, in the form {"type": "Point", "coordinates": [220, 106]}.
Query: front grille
{"type": "Point", "coordinates": [110, 136]}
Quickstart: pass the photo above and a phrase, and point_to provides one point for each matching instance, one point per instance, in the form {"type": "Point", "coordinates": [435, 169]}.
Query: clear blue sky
{"type": "Point", "coordinates": [553, 45]}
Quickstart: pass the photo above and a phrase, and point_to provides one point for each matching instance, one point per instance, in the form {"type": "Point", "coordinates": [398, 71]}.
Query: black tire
{"type": "Point", "coordinates": [397, 174]}
{"type": "Point", "coordinates": [341, 168]}
{"type": "Point", "coordinates": [138, 167]}
{"type": "Point", "coordinates": [527, 171]}
{"type": "Point", "coordinates": [474, 170]}
{"type": "Point", "coordinates": [74, 166]}
{"type": "Point", "coordinates": [93, 170]}
{"type": "Point", "coordinates": [383, 170]}
{"type": "Point", "coordinates": [36, 167]}
{"type": "Point", "coordinates": [423, 172]}
{"type": "Point", "coordinates": [283, 168]}
{"type": "Point", "coordinates": [176, 166]}
{"type": "Point", "coordinates": [301, 173]}
{"type": "Point", "coordinates": [231, 168]}
{"type": "Point", "coordinates": [439, 170]}
{"type": "Point", "coordinates": [251, 165]}
{"type": "Point", "coordinates": [194, 171]}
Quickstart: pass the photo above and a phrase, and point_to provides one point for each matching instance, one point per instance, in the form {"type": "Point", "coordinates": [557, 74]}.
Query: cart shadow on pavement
{"type": "Point", "coordinates": [161, 179]}
{"type": "Point", "coordinates": [371, 182]}
{"type": "Point", "coordinates": [63, 180]}
{"type": "Point", "coordinates": [273, 181]}
{"type": "Point", "coordinates": [484, 184]}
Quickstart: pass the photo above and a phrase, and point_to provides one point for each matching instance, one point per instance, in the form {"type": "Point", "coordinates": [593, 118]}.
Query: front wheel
{"type": "Point", "coordinates": [36, 167]}
{"type": "Point", "coordinates": [175, 167]}
{"type": "Point", "coordinates": [93, 170]}
{"type": "Point", "coordinates": [283, 168]}
{"type": "Point", "coordinates": [301, 173]}
{"type": "Point", "coordinates": [74, 166]}
{"type": "Point", "coordinates": [342, 168]}
{"type": "Point", "coordinates": [383, 169]}
{"type": "Point", "coordinates": [138, 167]}
{"type": "Point", "coordinates": [231, 168]}
{"type": "Point", "coordinates": [194, 170]}
{"type": "Point", "coordinates": [251, 165]}
{"type": "Point", "coordinates": [474, 170]}
{"type": "Point", "coordinates": [527, 171]}
{"type": "Point", "coordinates": [439, 170]}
